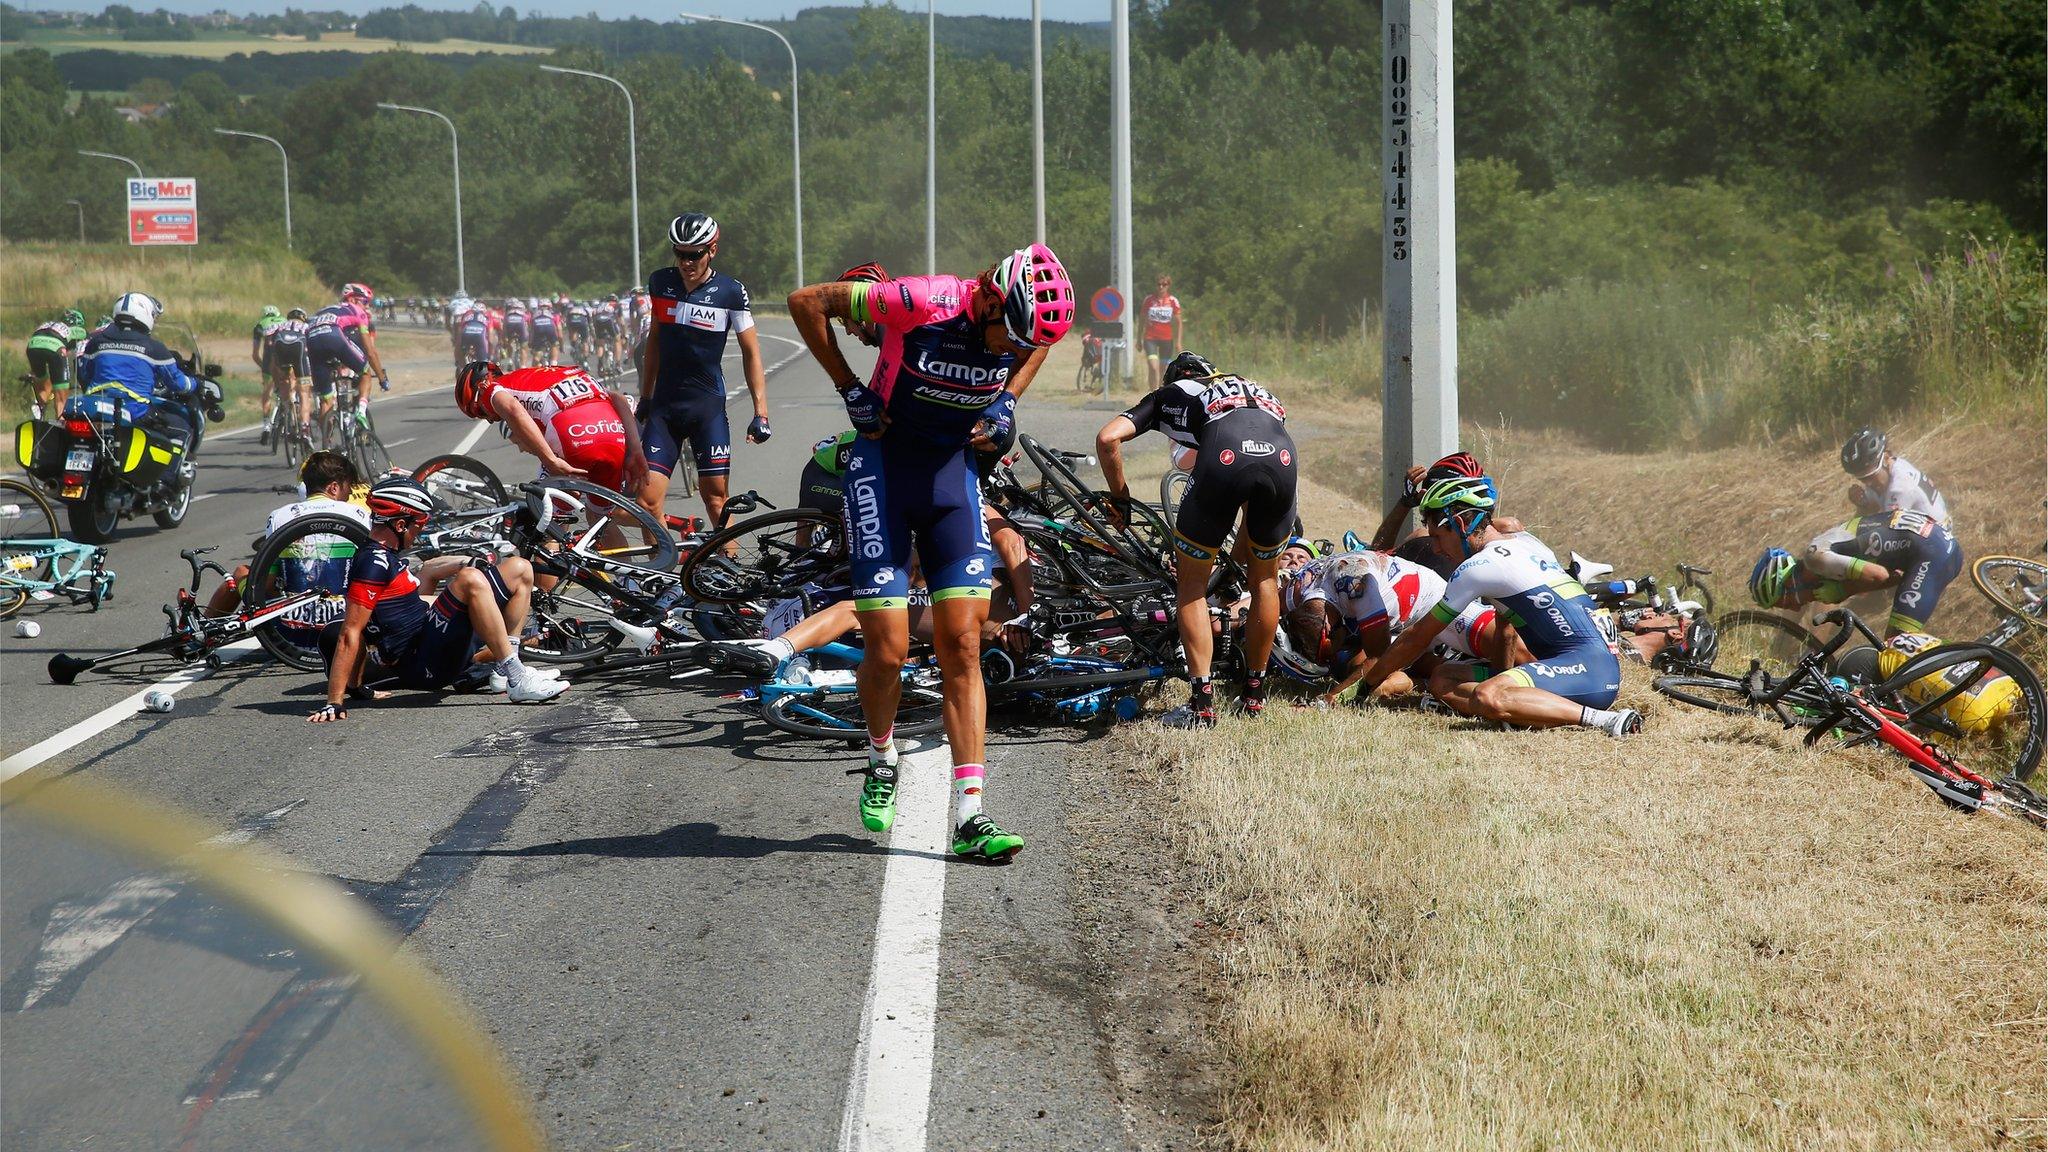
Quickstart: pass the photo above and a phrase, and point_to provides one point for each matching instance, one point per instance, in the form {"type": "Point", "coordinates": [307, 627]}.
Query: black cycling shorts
{"type": "Point", "coordinates": [696, 419]}
{"type": "Point", "coordinates": [817, 488]}
{"type": "Point", "coordinates": [1246, 461]}
{"type": "Point", "coordinates": [50, 364]}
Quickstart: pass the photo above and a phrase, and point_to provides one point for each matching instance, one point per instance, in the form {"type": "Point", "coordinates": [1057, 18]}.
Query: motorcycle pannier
{"type": "Point", "coordinates": [39, 447]}
{"type": "Point", "coordinates": [146, 455]}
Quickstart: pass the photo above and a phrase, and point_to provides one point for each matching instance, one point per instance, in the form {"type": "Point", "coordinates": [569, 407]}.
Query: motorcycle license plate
{"type": "Point", "coordinates": [78, 460]}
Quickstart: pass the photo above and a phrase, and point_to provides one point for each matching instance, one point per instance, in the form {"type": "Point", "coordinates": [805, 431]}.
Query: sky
{"type": "Point", "coordinates": [1079, 10]}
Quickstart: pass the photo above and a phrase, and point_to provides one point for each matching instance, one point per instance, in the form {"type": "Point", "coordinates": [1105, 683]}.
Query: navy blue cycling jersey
{"type": "Point", "coordinates": [692, 327]}
{"type": "Point", "coordinates": [379, 579]}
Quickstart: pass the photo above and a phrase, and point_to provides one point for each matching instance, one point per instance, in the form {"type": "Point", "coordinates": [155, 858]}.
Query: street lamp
{"type": "Point", "coordinates": [111, 156]}
{"type": "Point", "coordinates": [931, 138]}
{"type": "Point", "coordinates": [455, 148]}
{"type": "Point", "coordinates": [287, 175]}
{"type": "Point", "coordinates": [632, 161]}
{"type": "Point", "coordinates": [1038, 114]}
{"type": "Point", "coordinates": [81, 219]}
{"type": "Point", "coordinates": [795, 127]}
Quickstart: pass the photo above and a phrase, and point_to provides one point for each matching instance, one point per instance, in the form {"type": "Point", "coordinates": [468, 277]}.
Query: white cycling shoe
{"type": "Point", "coordinates": [1626, 722]}
{"type": "Point", "coordinates": [535, 680]}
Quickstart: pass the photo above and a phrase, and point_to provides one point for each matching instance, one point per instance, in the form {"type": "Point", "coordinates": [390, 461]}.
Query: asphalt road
{"type": "Point", "coordinates": [666, 914]}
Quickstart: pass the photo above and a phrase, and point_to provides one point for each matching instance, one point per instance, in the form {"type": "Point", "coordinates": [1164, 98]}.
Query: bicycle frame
{"type": "Point", "coordinates": [191, 633]}
{"type": "Point", "coordinates": [74, 561]}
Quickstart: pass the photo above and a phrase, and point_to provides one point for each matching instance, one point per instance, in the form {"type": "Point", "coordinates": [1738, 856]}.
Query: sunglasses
{"type": "Point", "coordinates": [690, 255]}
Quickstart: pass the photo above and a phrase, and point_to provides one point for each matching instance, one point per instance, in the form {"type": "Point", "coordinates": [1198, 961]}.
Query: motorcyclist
{"type": "Point", "coordinates": [124, 361]}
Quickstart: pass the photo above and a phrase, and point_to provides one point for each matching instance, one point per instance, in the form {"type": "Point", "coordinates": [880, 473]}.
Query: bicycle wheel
{"type": "Point", "coordinates": [568, 624]}
{"type": "Point", "coordinates": [373, 460]}
{"type": "Point", "coordinates": [683, 481]}
{"type": "Point", "coordinates": [461, 483]}
{"type": "Point", "coordinates": [1173, 487]}
{"type": "Point", "coordinates": [295, 447]}
{"type": "Point", "coordinates": [766, 556]}
{"type": "Point", "coordinates": [826, 715]}
{"type": "Point", "coordinates": [1771, 641]}
{"type": "Point", "coordinates": [1733, 695]}
{"type": "Point", "coordinates": [302, 569]}
{"type": "Point", "coordinates": [611, 528]}
{"type": "Point", "coordinates": [1984, 705]}
{"type": "Point", "coordinates": [25, 515]}
{"type": "Point", "coordinates": [2016, 586]}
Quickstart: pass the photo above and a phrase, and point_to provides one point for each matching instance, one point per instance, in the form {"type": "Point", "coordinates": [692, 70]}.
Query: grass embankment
{"type": "Point", "coordinates": [214, 291]}
{"type": "Point", "coordinates": [1433, 935]}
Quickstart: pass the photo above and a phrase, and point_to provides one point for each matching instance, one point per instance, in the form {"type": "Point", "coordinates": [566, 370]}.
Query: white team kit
{"type": "Point", "coordinates": [1367, 587]}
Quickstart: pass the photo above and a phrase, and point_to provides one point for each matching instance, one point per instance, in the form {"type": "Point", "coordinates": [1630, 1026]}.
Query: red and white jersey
{"type": "Point", "coordinates": [1368, 587]}
{"type": "Point", "coordinates": [570, 406]}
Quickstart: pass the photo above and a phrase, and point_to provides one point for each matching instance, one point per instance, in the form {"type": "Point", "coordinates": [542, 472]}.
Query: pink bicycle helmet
{"type": "Point", "coordinates": [1038, 299]}
{"type": "Point", "coordinates": [356, 290]}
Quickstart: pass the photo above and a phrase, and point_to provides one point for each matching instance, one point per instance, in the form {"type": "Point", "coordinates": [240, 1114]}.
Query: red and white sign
{"type": "Point", "coordinates": [163, 210]}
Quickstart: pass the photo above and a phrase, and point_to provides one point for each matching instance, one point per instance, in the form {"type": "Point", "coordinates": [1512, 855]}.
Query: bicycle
{"type": "Point", "coordinates": [1093, 374]}
{"type": "Point", "coordinates": [351, 430]}
{"type": "Point", "coordinates": [1939, 749]}
{"type": "Point", "coordinates": [2018, 591]}
{"type": "Point", "coordinates": [37, 562]}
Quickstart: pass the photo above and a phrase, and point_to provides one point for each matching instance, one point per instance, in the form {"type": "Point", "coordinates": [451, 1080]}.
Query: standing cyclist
{"type": "Point", "coordinates": [1244, 459]}
{"type": "Point", "coordinates": [682, 385]}
{"type": "Point", "coordinates": [956, 355]}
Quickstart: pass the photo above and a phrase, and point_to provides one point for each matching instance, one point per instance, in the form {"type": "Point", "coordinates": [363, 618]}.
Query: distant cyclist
{"type": "Point", "coordinates": [271, 317]}
{"type": "Point", "coordinates": [287, 369]}
{"type": "Point", "coordinates": [604, 326]}
{"type": "Point", "coordinates": [1909, 551]}
{"type": "Point", "coordinates": [543, 333]}
{"type": "Point", "coordinates": [560, 415]}
{"type": "Point", "coordinates": [1162, 329]}
{"type": "Point", "coordinates": [1244, 462]}
{"type": "Point", "coordinates": [956, 354]}
{"type": "Point", "coordinates": [1885, 481]}
{"type": "Point", "coordinates": [473, 333]}
{"type": "Point", "coordinates": [682, 381]}
{"type": "Point", "coordinates": [1574, 677]}
{"type": "Point", "coordinates": [343, 337]}
{"type": "Point", "coordinates": [51, 349]}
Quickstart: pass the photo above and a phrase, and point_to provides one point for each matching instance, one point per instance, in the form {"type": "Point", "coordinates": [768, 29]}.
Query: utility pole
{"type": "Point", "coordinates": [1120, 171]}
{"type": "Point", "coordinates": [1038, 117]}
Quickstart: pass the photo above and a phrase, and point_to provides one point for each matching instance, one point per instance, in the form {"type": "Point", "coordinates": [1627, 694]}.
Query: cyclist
{"type": "Point", "coordinates": [271, 317]}
{"type": "Point", "coordinates": [332, 343]}
{"type": "Point", "coordinates": [1244, 460]}
{"type": "Point", "coordinates": [956, 355]}
{"type": "Point", "coordinates": [286, 367]}
{"type": "Point", "coordinates": [327, 481]}
{"type": "Point", "coordinates": [571, 423]}
{"type": "Point", "coordinates": [1580, 675]}
{"type": "Point", "coordinates": [1342, 610]}
{"type": "Point", "coordinates": [1907, 550]}
{"type": "Point", "coordinates": [1162, 329]}
{"type": "Point", "coordinates": [427, 645]}
{"type": "Point", "coordinates": [51, 348]}
{"type": "Point", "coordinates": [682, 385]}
{"type": "Point", "coordinates": [543, 333]}
{"type": "Point", "coordinates": [578, 319]}
{"type": "Point", "coordinates": [127, 363]}
{"type": "Point", "coordinates": [473, 335]}
{"type": "Point", "coordinates": [518, 331]}
{"type": "Point", "coordinates": [1417, 548]}
{"type": "Point", "coordinates": [604, 327]}
{"type": "Point", "coordinates": [1885, 481]}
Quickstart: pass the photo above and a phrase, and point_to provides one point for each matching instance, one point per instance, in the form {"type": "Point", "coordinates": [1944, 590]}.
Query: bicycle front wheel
{"type": "Point", "coordinates": [461, 483]}
{"type": "Point", "coordinates": [827, 715]}
{"type": "Point", "coordinates": [24, 516]}
{"type": "Point", "coordinates": [766, 557]}
{"type": "Point", "coordinates": [2015, 585]}
{"type": "Point", "coordinates": [298, 584]}
{"type": "Point", "coordinates": [1772, 642]}
{"type": "Point", "coordinates": [1984, 705]}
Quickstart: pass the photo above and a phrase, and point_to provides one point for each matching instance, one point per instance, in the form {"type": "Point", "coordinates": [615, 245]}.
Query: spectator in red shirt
{"type": "Point", "coordinates": [1162, 329]}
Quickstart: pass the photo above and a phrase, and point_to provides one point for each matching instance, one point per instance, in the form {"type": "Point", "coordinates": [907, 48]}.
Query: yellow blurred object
{"type": "Point", "coordinates": [1974, 710]}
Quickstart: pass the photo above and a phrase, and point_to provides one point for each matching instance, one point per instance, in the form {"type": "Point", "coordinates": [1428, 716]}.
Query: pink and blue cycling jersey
{"type": "Point", "coordinates": [934, 374]}
{"type": "Point", "coordinates": [340, 318]}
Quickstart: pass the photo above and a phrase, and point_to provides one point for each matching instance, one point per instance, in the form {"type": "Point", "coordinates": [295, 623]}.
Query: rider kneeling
{"type": "Point", "coordinates": [427, 645]}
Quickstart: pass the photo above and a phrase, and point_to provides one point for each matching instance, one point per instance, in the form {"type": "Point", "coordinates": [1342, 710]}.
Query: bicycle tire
{"type": "Point", "coordinates": [296, 642]}
{"type": "Point", "coordinates": [837, 716]}
{"type": "Point", "coordinates": [461, 483]}
{"type": "Point", "coordinates": [2010, 747]}
{"type": "Point", "coordinates": [30, 518]}
{"type": "Point", "coordinates": [1731, 696]}
{"type": "Point", "coordinates": [790, 548]}
{"type": "Point", "coordinates": [1173, 488]}
{"type": "Point", "coordinates": [656, 547]}
{"type": "Point", "coordinates": [2014, 585]}
{"type": "Point", "coordinates": [1080, 498]}
{"type": "Point", "coordinates": [294, 448]}
{"type": "Point", "coordinates": [1778, 643]}
{"type": "Point", "coordinates": [567, 626]}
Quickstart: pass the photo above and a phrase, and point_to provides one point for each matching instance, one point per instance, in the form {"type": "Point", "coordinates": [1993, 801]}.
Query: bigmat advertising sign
{"type": "Point", "coordinates": [163, 210]}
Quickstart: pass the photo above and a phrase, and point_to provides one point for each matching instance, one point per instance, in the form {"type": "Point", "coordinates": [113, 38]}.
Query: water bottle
{"type": "Point", "coordinates": [157, 700]}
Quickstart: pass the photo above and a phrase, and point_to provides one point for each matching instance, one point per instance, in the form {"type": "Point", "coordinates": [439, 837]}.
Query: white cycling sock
{"type": "Point", "coordinates": [510, 667]}
{"type": "Point", "coordinates": [883, 750]}
{"type": "Point", "coordinates": [1595, 718]}
{"type": "Point", "coordinates": [967, 781]}
{"type": "Point", "coordinates": [779, 648]}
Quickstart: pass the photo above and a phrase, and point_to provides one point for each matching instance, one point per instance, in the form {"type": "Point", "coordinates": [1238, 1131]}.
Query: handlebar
{"type": "Point", "coordinates": [1849, 622]}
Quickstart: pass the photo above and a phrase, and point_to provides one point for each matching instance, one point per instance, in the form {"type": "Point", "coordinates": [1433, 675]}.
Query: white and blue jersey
{"type": "Point", "coordinates": [1551, 612]}
{"type": "Point", "coordinates": [692, 326]}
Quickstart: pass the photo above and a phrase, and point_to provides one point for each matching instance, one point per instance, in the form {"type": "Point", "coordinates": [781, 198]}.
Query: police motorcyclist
{"type": "Point", "coordinates": [125, 361]}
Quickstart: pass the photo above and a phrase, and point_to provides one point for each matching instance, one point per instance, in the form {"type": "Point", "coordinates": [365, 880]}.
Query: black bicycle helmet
{"type": "Point", "coordinates": [1187, 366]}
{"type": "Point", "coordinates": [1864, 452]}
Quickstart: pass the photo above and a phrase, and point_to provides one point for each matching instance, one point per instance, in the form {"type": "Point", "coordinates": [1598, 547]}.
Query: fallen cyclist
{"type": "Point", "coordinates": [420, 643]}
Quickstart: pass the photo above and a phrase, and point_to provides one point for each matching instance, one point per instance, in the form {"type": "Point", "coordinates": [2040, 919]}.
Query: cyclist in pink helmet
{"type": "Point", "coordinates": [956, 354]}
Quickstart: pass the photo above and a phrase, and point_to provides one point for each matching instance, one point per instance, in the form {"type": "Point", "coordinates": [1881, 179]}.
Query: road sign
{"type": "Point", "coordinates": [163, 210]}
{"type": "Point", "coordinates": [1107, 304]}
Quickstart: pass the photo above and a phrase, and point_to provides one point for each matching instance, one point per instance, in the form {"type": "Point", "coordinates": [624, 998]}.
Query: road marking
{"type": "Point", "coordinates": [888, 1099]}
{"type": "Point", "coordinates": [469, 441]}
{"type": "Point", "coordinates": [107, 717]}
{"type": "Point", "coordinates": [204, 496]}
{"type": "Point", "coordinates": [396, 443]}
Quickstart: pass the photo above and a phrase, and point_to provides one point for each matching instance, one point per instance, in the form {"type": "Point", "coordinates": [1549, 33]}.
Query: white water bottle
{"type": "Point", "coordinates": [157, 700]}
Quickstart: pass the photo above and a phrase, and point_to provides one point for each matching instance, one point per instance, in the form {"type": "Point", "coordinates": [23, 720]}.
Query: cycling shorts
{"type": "Point", "coordinates": [817, 488]}
{"type": "Point", "coordinates": [1921, 583]}
{"type": "Point", "coordinates": [330, 350]}
{"type": "Point", "coordinates": [1247, 462]}
{"type": "Point", "coordinates": [281, 358]}
{"type": "Point", "coordinates": [1589, 676]}
{"type": "Point", "coordinates": [448, 644]}
{"type": "Point", "coordinates": [1159, 349]}
{"type": "Point", "coordinates": [474, 345]}
{"type": "Point", "coordinates": [578, 325]}
{"type": "Point", "coordinates": [543, 337]}
{"type": "Point", "coordinates": [698, 418]}
{"type": "Point", "coordinates": [897, 493]}
{"type": "Point", "coordinates": [50, 364]}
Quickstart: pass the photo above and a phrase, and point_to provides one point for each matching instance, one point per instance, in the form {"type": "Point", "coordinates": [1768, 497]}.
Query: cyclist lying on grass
{"type": "Point", "coordinates": [1907, 550]}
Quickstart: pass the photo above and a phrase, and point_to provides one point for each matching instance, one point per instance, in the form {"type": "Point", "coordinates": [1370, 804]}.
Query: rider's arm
{"type": "Point", "coordinates": [1355, 665]}
{"type": "Point", "coordinates": [256, 346]}
{"type": "Point", "coordinates": [1016, 559]}
{"type": "Point", "coordinates": [1414, 641]}
{"type": "Point", "coordinates": [370, 351]}
{"type": "Point", "coordinates": [1388, 534]}
{"type": "Point", "coordinates": [347, 670]}
{"type": "Point", "coordinates": [1109, 452]}
{"type": "Point", "coordinates": [527, 434]}
{"type": "Point", "coordinates": [1822, 560]}
{"type": "Point", "coordinates": [650, 363]}
{"type": "Point", "coordinates": [1022, 376]}
{"type": "Point", "coordinates": [750, 363]}
{"type": "Point", "coordinates": [439, 571]}
{"type": "Point", "coordinates": [812, 309]}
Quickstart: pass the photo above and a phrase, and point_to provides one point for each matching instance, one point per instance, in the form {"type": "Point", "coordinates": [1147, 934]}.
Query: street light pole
{"type": "Point", "coordinates": [931, 138]}
{"type": "Point", "coordinates": [81, 219]}
{"type": "Point", "coordinates": [1038, 115]}
{"type": "Point", "coordinates": [632, 161]}
{"type": "Point", "coordinates": [1120, 171]}
{"type": "Point", "coordinates": [287, 176]}
{"type": "Point", "coordinates": [795, 126]}
{"type": "Point", "coordinates": [111, 156]}
{"type": "Point", "coordinates": [455, 149]}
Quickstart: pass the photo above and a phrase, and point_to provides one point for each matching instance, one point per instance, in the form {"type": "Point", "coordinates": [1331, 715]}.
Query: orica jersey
{"type": "Point", "coordinates": [1522, 577]}
{"type": "Point", "coordinates": [693, 325]}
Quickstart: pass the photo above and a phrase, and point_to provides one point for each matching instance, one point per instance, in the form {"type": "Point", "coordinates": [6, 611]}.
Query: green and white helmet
{"type": "Point", "coordinates": [1457, 495]}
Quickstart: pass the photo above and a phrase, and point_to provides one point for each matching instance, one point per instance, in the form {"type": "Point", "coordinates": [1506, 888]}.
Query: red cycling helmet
{"type": "Point", "coordinates": [473, 388]}
{"type": "Point", "coordinates": [868, 273]}
{"type": "Point", "coordinates": [1456, 464]}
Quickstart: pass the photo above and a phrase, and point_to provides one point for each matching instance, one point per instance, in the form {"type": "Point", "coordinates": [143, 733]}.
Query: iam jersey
{"type": "Point", "coordinates": [934, 373]}
{"type": "Point", "coordinates": [693, 326]}
{"type": "Point", "coordinates": [570, 406]}
{"type": "Point", "coordinates": [379, 579]}
{"type": "Point", "coordinates": [1522, 577]}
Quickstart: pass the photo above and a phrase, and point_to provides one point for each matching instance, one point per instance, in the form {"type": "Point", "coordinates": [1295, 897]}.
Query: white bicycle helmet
{"type": "Point", "coordinates": [692, 229]}
{"type": "Point", "coordinates": [139, 308]}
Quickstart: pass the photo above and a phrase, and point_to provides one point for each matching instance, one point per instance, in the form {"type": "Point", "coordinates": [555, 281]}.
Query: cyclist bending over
{"type": "Point", "coordinates": [1244, 460]}
{"type": "Point", "coordinates": [956, 355]}
{"type": "Point", "coordinates": [1579, 675]}
{"type": "Point", "coordinates": [1885, 481]}
{"type": "Point", "coordinates": [1907, 550]}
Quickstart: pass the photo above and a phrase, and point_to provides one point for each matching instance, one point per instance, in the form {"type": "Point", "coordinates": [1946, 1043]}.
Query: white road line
{"type": "Point", "coordinates": [469, 441]}
{"type": "Point", "coordinates": [204, 496]}
{"type": "Point", "coordinates": [888, 1099]}
{"type": "Point", "coordinates": [107, 717]}
{"type": "Point", "coordinates": [396, 443]}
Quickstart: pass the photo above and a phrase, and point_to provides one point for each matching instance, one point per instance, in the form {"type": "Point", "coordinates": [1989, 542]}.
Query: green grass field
{"type": "Point", "coordinates": [218, 44]}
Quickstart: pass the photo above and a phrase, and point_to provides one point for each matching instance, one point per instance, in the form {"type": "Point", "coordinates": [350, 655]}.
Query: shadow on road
{"type": "Point", "coordinates": [701, 840]}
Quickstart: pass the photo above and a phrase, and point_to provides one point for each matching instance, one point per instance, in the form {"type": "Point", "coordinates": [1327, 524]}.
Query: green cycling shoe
{"type": "Point", "coordinates": [878, 798]}
{"type": "Point", "coordinates": [980, 839]}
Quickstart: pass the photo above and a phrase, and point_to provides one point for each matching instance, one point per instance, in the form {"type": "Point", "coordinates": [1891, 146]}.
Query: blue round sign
{"type": "Point", "coordinates": [1107, 304]}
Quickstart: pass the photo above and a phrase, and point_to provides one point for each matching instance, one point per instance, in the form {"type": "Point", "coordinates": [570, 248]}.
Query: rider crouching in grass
{"type": "Point", "coordinates": [426, 645]}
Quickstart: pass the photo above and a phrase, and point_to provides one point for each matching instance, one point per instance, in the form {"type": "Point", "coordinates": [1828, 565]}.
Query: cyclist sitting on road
{"type": "Point", "coordinates": [1885, 481]}
{"type": "Point", "coordinates": [563, 417]}
{"type": "Point", "coordinates": [956, 356]}
{"type": "Point", "coordinates": [1244, 460]}
{"type": "Point", "coordinates": [682, 383]}
{"type": "Point", "coordinates": [426, 645]}
{"type": "Point", "coordinates": [1417, 548]}
{"type": "Point", "coordinates": [327, 481]}
{"type": "Point", "coordinates": [333, 343]}
{"type": "Point", "coordinates": [51, 348]}
{"type": "Point", "coordinates": [1551, 614]}
{"type": "Point", "coordinates": [1907, 550]}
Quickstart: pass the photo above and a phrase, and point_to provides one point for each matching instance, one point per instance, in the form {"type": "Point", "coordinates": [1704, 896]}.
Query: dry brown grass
{"type": "Point", "coordinates": [1438, 936]}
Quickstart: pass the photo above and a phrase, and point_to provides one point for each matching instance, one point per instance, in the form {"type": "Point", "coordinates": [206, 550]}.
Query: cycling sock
{"type": "Point", "coordinates": [1254, 698]}
{"type": "Point", "coordinates": [967, 779]}
{"type": "Point", "coordinates": [1202, 696]}
{"type": "Point", "coordinates": [1595, 718]}
{"type": "Point", "coordinates": [883, 751]}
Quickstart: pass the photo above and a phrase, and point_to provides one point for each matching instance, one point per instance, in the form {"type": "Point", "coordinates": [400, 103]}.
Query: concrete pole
{"type": "Point", "coordinates": [81, 219]}
{"type": "Point", "coordinates": [1038, 117]}
{"type": "Point", "coordinates": [1419, 247]}
{"type": "Point", "coordinates": [1120, 172]}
